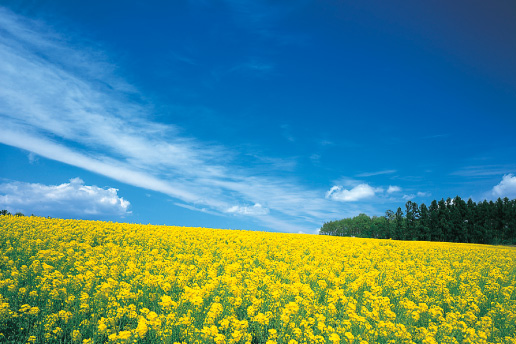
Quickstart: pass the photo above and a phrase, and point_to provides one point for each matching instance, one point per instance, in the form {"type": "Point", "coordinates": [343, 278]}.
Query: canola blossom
{"type": "Point", "coordinates": [70, 281]}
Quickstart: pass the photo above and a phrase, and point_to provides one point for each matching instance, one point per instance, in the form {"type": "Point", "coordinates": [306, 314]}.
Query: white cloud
{"type": "Point", "coordinates": [359, 192]}
{"type": "Point", "coordinates": [73, 199]}
{"type": "Point", "coordinates": [61, 101]}
{"type": "Point", "coordinates": [409, 197]}
{"type": "Point", "coordinates": [506, 188]}
{"type": "Point", "coordinates": [392, 189]}
{"type": "Point", "coordinates": [256, 209]}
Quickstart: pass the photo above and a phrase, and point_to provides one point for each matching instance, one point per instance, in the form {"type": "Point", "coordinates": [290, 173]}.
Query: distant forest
{"type": "Point", "coordinates": [453, 220]}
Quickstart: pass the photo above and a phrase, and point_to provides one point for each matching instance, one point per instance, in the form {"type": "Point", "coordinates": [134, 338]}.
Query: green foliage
{"type": "Point", "coordinates": [6, 212]}
{"type": "Point", "coordinates": [452, 220]}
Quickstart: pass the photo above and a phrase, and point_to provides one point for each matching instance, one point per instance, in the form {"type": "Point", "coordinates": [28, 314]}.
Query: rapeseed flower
{"type": "Point", "coordinates": [83, 281]}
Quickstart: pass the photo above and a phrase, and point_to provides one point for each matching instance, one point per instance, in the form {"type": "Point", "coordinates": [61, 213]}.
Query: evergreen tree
{"type": "Point", "coordinates": [455, 220]}
{"type": "Point", "coordinates": [389, 216]}
{"type": "Point", "coordinates": [481, 223]}
{"type": "Point", "coordinates": [510, 222]}
{"type": "Point", "coordinates": [470, 220]}
{"type": "Point", "coordinates": [457, 216]}
{"type": "Point", "coordinates": [423, 227]}
{"type": "Point", "coordinates": [443, 216]}
{"type": "Point", "coordinates": [410, 222]}
{"type": "Point", "coordinates": [490, 224]}
{"type": "Point", "coordinates": [399, 225]}
{"type": "Point", "coordinates": [433, 223]}
{"type": "Point", "coordinates": [499, 220]}
{"type": "Point", "coordinates": [416, 214]}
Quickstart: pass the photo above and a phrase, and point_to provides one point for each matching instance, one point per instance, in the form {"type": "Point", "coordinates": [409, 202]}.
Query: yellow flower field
{"type": "Point", "coordinates": [69, 281]}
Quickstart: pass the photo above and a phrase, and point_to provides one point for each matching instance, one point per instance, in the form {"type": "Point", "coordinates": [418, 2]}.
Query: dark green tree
{"type": "Point", "coordinates": [481, 223]}
{"type": "Point", "coordinates": [457, 211]}
{"type": "Point", "coordinates": [380, 227]}
{"type": "Point", "coordinates": [423, 225]}
{"type": "Point", "coordinates": [499, 220]}
{"type": "Point", "coordinates": [410, 222]}
{"type": "Point", "coordinates": [510, 221]}
{"type": "Point", "coordinates": [390, 216]}
{"type": "Point", "coordinates": [399, 225]}
{"type": "Point", "coordinates": [455, 220]}
{"type": "Point", "coordinates": [470, 218]}
{"type": "Point", "coordinates": [360, 225]}
{"type": "Point", "coordinates": [433, 224]}
{"type": "Point", "coordinates": [444, 220]}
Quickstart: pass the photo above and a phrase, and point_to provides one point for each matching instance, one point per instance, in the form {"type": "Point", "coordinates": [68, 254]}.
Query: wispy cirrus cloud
{"type": "Point", "coordinates": [419, 194]}
{"type": "Point", "coordinates": [481, 171]}
{"type": "Point", "coordinates": [61, 102]}
{"type": "Point", "coordinates": [256, 209]}
{"type": "Point", "coordinates": [377, 173]}
{"type": "Point", "coordinates": [261, 18]}
{"type": "Point", "coordinates": [409, 197]}
{"type": "Point", "coordinates": [423, 194]}
{"type": "Point", "coordinates": [253, 67]}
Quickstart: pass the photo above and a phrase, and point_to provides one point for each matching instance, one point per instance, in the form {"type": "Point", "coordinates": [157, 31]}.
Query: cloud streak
{"type": "Point", "coordinates": [378, 173]}
{"type": "Point", "coordinates": [256, 209]}
{"type": "Point", "coordinates": [76, 111]}
{"type": "Point", "coordinates": [483, 171]}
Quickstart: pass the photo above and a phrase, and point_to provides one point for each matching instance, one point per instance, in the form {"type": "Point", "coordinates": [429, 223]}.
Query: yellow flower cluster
{"type": "Point", "coordinates": [70, 281]}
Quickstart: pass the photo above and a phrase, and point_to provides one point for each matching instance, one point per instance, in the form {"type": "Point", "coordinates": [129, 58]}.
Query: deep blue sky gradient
{"type": "Point", "coordinates": [310, 94]}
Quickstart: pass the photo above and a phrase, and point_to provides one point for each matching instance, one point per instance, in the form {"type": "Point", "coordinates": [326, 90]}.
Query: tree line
{"type": "Point", "coordinates": [451, 220]}
{"type": "Point", "coordinates": [6, 212]}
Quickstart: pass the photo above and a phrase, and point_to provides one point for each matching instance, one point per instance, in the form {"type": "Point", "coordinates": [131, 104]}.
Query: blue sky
{"type": "Point", "coordinates": [260, 115]}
